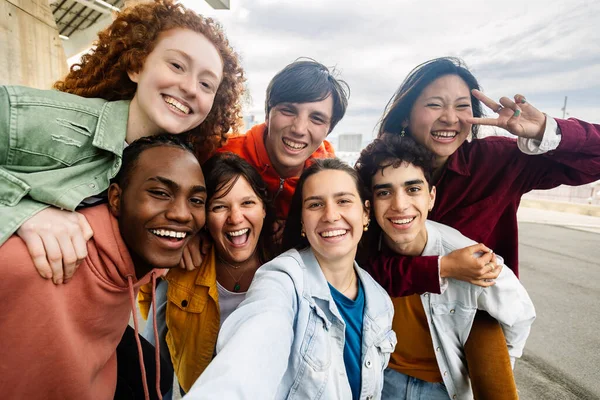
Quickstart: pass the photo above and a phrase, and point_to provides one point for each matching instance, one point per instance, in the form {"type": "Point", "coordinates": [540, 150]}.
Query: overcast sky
{"type": "Point", "coordinates": [544, 49]}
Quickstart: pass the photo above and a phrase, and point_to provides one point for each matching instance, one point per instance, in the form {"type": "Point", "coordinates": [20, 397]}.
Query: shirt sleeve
{"type": "Point", "coordinates": [254, 342]}
{"type": "Point", "coordinates": [549, 142]}
{"type": "Point", "coordinates": [403, 276]}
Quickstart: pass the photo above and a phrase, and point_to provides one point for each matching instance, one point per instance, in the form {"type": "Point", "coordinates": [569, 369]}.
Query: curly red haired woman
{"type": "Point", "coordinates": [158, 68]}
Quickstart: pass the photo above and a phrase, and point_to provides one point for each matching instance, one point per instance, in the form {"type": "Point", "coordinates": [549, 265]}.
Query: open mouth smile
{"type": "Point", "coordinates": [239, 237]}
{"type": "Point", "coordinates": [176, 105]}
{"type": "Point", "coordinates": [444, 136]}
{"type": "Point", "coordinates": [292, 145]}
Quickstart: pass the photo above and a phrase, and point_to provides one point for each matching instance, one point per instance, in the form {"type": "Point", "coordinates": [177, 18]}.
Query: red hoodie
{"type": "Point", "coordinates": [251, 147]}
{"type": "Point", "coordinates": [59, 341]}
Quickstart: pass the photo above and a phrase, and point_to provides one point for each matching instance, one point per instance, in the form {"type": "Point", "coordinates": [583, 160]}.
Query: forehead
{"type": "Point", "coordinates": [240, 189]}
{"type": "Point", "coordinates": [448, 85]}
{"type": "Point", "coordinates": [324, 106]}
{"type": "Point", "coordinates": [329, 182]}
{"type": "Point", "coordinates": [397, 175]}
{"type": "Point", "coordinates": [170, 162]}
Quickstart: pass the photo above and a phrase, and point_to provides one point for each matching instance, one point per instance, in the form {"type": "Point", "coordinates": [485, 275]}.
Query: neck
{"type": "Point", "coordinates": [251, 263]}
{"type": "Point", "coordinates": [338, 273]}
{"type": "Point", "coordinates": [141, 268]}
{"type": "Point", "coordinates": [413, 248]}
{"type": "Point", "coordinates": [438, 168]}
{"type": "Point", "coordinates": [137, 125]}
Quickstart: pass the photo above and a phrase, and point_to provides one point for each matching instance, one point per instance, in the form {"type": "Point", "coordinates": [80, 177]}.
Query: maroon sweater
{"type": "Point", "coordinates": [479, 193]}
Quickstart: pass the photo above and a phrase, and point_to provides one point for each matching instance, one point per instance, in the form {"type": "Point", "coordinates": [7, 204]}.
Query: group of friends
{"type": "Point", "coordinates": [267, 268]}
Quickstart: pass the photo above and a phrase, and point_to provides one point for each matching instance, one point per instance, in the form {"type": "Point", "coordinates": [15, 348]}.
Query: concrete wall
{"type": "Point", "coordinates": [31, 52]}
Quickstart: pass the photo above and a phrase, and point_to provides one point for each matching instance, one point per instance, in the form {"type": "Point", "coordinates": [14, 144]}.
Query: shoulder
{"type": "Point", "coordinates": [450, 238]}
{"type": "Point", "coordinates": [491, 146]}
{"type": "Point", "coordinates": [23, 95]}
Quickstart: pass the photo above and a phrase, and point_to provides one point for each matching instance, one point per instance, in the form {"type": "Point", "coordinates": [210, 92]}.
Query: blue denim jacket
{"type": "Point", "coordinates": [286, 339]}
{"type": "Point", "coordinates": [55, 149]}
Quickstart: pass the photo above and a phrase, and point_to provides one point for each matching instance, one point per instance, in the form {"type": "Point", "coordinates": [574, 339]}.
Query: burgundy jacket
{"type": "Point", "coordinates": [479, 193]}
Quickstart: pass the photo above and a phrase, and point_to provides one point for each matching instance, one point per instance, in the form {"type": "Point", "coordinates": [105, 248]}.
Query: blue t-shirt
{"type": "Point", "coordinates": [352, 312]}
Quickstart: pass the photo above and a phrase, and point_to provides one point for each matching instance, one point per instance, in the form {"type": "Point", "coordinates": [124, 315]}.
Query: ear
{"type": "Point", "coordinates": [114, 199]}
{"type": "Point", "coordinates": [133, 76]}
{"type": "Point", "coordinates": [431, 198]}
{"type": "Point", "coordinates": [367, 211]}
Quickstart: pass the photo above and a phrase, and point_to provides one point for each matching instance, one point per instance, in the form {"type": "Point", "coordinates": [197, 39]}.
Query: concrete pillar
{"type": "Point", "coordinates": [31, 52]}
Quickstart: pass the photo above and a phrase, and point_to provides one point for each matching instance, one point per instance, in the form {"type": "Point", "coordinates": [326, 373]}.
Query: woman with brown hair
{"type": "Point", "coordinates": [158, 67]}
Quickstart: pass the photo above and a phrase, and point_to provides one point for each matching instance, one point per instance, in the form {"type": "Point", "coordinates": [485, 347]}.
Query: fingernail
{"type": "Point", "coordinates": [523, 101]}
{"type": "Point", "coordinates": [517, 113]}
{"type": "Point", "coordinates": [59, 281]}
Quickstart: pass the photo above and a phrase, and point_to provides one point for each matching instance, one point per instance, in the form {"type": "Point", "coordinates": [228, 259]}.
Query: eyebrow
{"type": "Point", "coordinates": [174, 185]}
{"type": "Point", "coordinates": [405, 184]}
{"type": "Point", "coordinates": [338, 194]}
{"type": "Point", "coordinates": [191, 61]}
{"type": "Point", "coordinates": [442, 99]}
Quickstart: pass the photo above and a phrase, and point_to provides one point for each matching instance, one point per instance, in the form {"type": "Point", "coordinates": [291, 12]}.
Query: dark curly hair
{"type": "Point", "coordinates": [397, 111]}
{"type": "Point", "coordinates": [124, 46]}
{"type": "Point", "coordinates": [221, 172]}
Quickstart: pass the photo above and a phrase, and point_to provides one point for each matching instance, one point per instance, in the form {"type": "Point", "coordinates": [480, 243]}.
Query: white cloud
{"type": "Point", "coordinates": [545, 50]}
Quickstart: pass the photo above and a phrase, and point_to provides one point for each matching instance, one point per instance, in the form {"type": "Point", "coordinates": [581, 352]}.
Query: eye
{"type": "Point", "coordinates": [286, 111]}
{"type": "Point", "coordinates": [344, 201]}
{"type": "Point", "coordinates": [463, 106]}
{"type": "Point", "coordinates": [318, 120]}
{"type": "Point", "coordinates": [413, 189]}
{"type": "Point", "coordinates": [206, 85]}
{"type": "Point", "coordinates": [434, 105]}
{"type": "Point", "coordinates": [314, 205]}
{"type": "Point", "coordinates": [382, 193]}
{"type": "Point", "coordinates": [217, 208]}
{"type": "Point", "coordinates": [249, 203]}
{"type": "Point", "coordinates": [159, 193]}
{"type": "Point", "coordinates": [199, 201]}
{"type": "Point", "coordinates": [176, 66]}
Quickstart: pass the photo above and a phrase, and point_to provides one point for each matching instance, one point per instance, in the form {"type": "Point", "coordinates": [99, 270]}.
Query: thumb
{"type": "Point", "coordinates": [479, 247]}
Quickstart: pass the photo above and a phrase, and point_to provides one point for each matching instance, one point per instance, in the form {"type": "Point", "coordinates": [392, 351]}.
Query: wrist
{"type": "Point", "coordinates": [444, 269]}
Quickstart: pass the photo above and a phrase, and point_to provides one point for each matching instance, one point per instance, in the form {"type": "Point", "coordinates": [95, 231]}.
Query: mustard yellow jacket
{"type": "Point", "coordinates": [193, 318]}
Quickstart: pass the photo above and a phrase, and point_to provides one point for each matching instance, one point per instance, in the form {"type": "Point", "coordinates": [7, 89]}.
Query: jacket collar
{"type": "Point", "coordinates": [111, 130]}
{"type": "Point", "coordinates": [457, 161]}
{"type": "Point", "coordinates": [434, 241]}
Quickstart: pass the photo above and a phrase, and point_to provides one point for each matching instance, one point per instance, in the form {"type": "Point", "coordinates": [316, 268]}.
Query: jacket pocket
{"type": "Point", "coordinates": [454, 319]}
{"type": "Point", "coordinates": [12, 189]}
{"type": "Point", "coordinates": [385, 347]}
{"type": "Point", "coordinates": [316, 349]}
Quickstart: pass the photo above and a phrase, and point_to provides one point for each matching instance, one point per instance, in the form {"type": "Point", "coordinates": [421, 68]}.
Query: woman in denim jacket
{"type": "Point", "coordinates": [157, 68]}
{"type": "Point", "coordinates": [313, 325]}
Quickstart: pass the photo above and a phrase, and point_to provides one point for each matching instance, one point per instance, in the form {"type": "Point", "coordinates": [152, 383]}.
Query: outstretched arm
{"type": "Point", "coordinates": [254, 342]}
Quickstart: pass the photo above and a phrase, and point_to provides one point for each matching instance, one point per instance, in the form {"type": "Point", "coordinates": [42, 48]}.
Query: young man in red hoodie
{"type": "Point", "coordinates": [60, 341]}
{"type": "Point", "coordinates": [304, 103]}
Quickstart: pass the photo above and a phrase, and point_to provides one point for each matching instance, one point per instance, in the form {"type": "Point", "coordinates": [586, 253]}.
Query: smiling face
{"type": "Point", "coordinates": [177, 85]}
{"type": "Point", "coordinates": [160, 209]}
{"type": "Point", "coordinates": [294, 132]}
{"type": "Point", "coordinates": [235, 221]}
{"type": "Point", "coordinates": [401, 203]}
{"type": "Point", "coordinates": [333, 216]}
{"type": "Point", "coordinates": [438, 117]}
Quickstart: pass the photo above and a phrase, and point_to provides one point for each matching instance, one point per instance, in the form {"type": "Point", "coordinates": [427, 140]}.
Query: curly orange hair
{"type": "Point", "coordinates": [126, 43]}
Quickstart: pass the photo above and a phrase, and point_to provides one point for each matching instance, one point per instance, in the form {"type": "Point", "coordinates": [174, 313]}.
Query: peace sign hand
{"type": "Point", "coordinates": [518, 117]}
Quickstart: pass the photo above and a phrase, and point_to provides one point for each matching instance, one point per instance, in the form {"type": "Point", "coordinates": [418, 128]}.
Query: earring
{"type": "Point", "coordinates": [302, 233]}
{"type": "Point", "coordinates": [403, 132]}
{"type": "Point", "coordinates": [366, 227]}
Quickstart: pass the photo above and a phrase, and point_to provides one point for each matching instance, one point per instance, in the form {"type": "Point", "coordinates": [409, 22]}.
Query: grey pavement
{"type": "Point", "coordinates": [559, 266]}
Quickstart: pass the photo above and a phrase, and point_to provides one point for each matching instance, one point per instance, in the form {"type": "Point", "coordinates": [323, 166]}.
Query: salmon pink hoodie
{"type": "Point", "coordinates": [60, 341]}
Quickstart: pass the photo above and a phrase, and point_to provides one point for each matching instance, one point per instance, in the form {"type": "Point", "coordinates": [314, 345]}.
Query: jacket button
{"type": "Point", "coordinates": [452, 311]}
{"type": "Point", "coordinates": [92, 186]}
{"type": "Point", "coordinates": [445, 373]}
{"type": "Point", "coordinates": [453, 396]}
{"type": "Point", "coordinates": [368, 364]}
{"type": "Point", "coordinates": [184, 303]}
{"type": "Point", "coordinates": [369, 397]}
{"type": "Point", "coordinates": [437, 349]}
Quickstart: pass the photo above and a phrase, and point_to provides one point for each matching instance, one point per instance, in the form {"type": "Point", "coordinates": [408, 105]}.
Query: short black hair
{"type": "Point", "coordinates": [132, 153]}
{"type": "Point", "coordinates": [221, 172]}
{"type": "Point", "coordinates": [391, 149]}
{"type": "Point", "coordinates": [307, 81]}
{"type": "Point", "coordinates": [398, 109]}
{"type": "Point", "coordinates": [293, 226]}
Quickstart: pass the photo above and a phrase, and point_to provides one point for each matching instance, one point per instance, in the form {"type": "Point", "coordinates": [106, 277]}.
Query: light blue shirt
{"type": "Point", "coordinates": [286, 340]}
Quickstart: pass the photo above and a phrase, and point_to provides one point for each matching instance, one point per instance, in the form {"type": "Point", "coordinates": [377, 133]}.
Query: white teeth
{"type": "Point", "coordinates": [338, 232]}
{"type": "Point", "coordinates": [444, 133]}
{"type": "Point", "coordinates": [171, 101]}
{"type": "Point", "coordinates": [167, 233]}
{"type": "Point", "coordinates": [402, 221]}
{"type": "Point", "coordinates": [294, 145]}
{"type": "Point", "coordinates": [238, 233]}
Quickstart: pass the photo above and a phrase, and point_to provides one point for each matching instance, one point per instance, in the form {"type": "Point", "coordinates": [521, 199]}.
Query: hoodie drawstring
{"type": "Point", "coordinates": [137, 337]}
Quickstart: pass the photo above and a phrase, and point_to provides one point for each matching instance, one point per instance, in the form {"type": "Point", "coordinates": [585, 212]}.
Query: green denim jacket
{"type": "Point", "coordinates": [55, 149]}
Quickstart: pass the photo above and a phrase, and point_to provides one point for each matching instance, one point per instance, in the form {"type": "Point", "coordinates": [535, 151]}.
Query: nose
{"type": "Point", "coordinates": [449, 116]}
{"type": "Point", "coordinates": [399, 203]}
{"type": "Point", "coordinates": [331, 213]}
{"type": "Point", "coordinates": [300, 125]}
{"type": "Point", "coordinates": [189, 85]}
{"type": "Point", "coordinates": [179, 210]}
{"type": "Point", "coordinates": [235, 215]}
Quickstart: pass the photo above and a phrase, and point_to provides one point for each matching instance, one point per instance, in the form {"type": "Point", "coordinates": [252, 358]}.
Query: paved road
{"type": "Point", "coordinates": [560, 267]}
